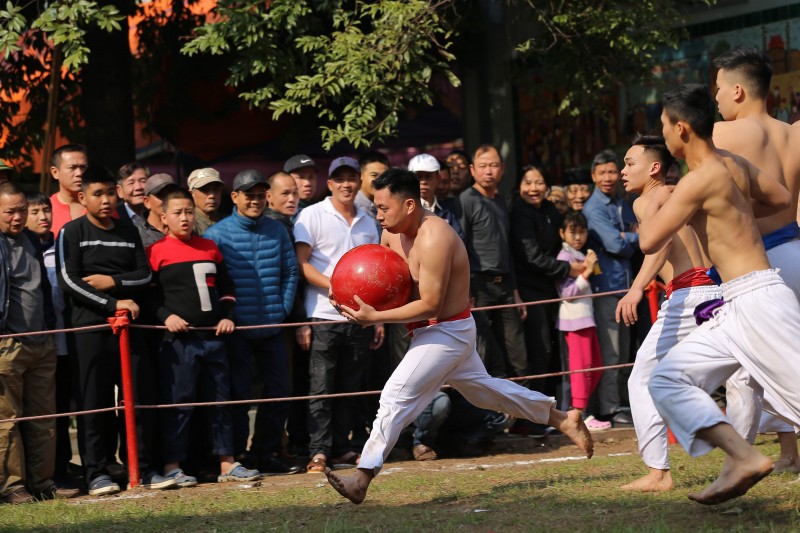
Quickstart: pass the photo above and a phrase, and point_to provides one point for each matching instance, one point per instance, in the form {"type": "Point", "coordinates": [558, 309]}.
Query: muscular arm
{"type": "Point", "coordinates": [661, 222]}
{"type": "Point", "coordinates": [312, 275]}
{"type": "Point", "coordinates": [434, 275]}
{"type": "Point", "coordinates": [769, 195]}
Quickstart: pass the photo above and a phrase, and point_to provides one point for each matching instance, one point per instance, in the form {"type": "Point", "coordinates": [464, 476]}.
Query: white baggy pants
{"type": "Point", "coordinates": [439, 354]}
{"type": "Point", "coordinates": [756, 330]}
{"type": "Point", "coordinates": [745, 400]}
{"type": "Point", "coordinates": [674, 323]}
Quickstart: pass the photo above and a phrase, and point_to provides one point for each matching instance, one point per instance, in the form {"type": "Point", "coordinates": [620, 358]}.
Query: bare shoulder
{"type": "Point", "coordinates": [434, 230]}
{"type": "Point", "coordinates": [731, 134]}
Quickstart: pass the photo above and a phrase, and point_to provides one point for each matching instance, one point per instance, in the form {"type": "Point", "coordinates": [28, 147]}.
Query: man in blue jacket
{"type": "Point", "coordinates": [260, 258]}
{"type": "Point", "coordinates": [610, 237]}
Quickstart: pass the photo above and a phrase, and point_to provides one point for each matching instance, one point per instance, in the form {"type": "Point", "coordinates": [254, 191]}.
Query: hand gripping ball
{"type": "Point", "coordinates": [377, 274]}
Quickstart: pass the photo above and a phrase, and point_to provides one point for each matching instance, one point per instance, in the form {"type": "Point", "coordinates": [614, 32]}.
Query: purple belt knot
{"type": "Point", "coordinates": [705, 311]}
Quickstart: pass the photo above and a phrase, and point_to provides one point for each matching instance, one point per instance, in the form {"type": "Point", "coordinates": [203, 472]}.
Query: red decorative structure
{"type": "Point", "coordinates": [119, 325]}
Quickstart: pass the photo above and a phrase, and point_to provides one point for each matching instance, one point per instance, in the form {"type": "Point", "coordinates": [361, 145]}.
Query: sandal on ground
{"type": "Point", "coordinates": [316, 465]}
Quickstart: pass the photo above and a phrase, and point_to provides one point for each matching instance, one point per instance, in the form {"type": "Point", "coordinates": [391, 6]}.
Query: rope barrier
{"type": "Point", "coordinates": [299, 324]}
{"type": "Point", "coordinates": [287, 399]}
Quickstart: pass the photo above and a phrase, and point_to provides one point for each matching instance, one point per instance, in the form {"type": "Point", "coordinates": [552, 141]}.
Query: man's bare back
{"type": "Point", "coordinates": [773, 147]}
{"type": "Point", "coordinates": [713, 199]}
{"type": "Point", "coordinates": [435, 243]}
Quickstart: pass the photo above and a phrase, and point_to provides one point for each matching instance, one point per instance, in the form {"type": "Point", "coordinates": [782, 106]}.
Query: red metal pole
{"type": "Point", "coordinates": [119, 325]}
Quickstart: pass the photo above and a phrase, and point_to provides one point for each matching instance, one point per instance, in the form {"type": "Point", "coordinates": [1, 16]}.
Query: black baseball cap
{"type": "Point", "coordinates": [298, 161]}
{"type": "Point", "coordinates": [247, 179]}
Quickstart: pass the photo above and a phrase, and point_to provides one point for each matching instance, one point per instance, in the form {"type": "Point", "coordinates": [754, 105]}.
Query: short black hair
{"type": "Point", "coordinates": [177, 193]}
{"type": "Point", "coordinates": [574, 219]}
{"type": "Point", "coordinates": [752, 64]}
{"type": "Point", "coordinates": [55, 161]}
{"type": "Point", "coordinates": [537, 168]}
{"type": "Point", "coordinates": [97, 174]}
{"type": "Point", "coordinates": [484, 148]}
{"type": "Point", "coordinates": [126, 170]}
{"type": "Point", "coordinates": [460, 153]}
{"type": "Point", "coordinates": [38, 198]}
{"type": "Point", "coordinates": [373, 156]}
{"type": "Point", "coordinates": [443, 167]}
{"type": "Point", "coordinates": [576, 176]}
{"type": "Point", "coordinates": [399, 181]}
{"type": "Point", "coordinates": [657, 147]}
{"type": "Point", "coordinates": [692, 103]}
{"type": "Point", "coordinates": [10, 189]}
{"type": "Point", "coordinates": [606, 156]}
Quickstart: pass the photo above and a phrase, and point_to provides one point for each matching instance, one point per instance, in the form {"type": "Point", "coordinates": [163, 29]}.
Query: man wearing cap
{"type": "Point", "coordinates": [207, 189]}
{"type": "Point", "coordinates": [260, 259]}
{"type": "Point", "coordinates": [131, 181]}
{"type": "Point", "coordinates": [427, 169]}
{"type": "Point", "coordinates": [304, 171]}
{"type": "Point", "coordinates": [323, 233]}
{"type": "Point", "coordinates": [152, 228]}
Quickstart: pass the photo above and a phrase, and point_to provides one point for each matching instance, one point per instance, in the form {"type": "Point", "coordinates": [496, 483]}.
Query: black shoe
{"type": "Point", "coordinates": [18, 497]}
{"type": "Point", "coordinates": [273, 466]}
{"type": "Point", "coordinates": [622, 419]}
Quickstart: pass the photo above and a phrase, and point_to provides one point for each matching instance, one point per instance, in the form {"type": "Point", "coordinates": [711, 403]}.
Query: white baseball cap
{"type": "Point", "coordinates": [423, 163]}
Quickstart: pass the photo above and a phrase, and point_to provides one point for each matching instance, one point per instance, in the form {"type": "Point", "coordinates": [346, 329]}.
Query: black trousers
{"type": "Point", "coordinates": [506, 324]}
{"type": "Point", "coordinates": [540, 336]}
{"type": "Point", "coordinates": [337, 363]}
{"type": "Point", "coordinates": [96, 368]}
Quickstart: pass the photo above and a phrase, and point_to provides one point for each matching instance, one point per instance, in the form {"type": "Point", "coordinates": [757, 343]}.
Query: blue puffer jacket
{"type": "Point", "coordinates": [260, 259]}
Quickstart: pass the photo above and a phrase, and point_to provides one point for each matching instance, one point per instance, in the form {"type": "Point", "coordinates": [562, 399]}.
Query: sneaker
{"type": "Point", "coordinates": [593, 424]}
{"type": "Point", "coordinates": [499, 422]}
{"type": "Point", "coordinates": [622, 419]}
{"type": "Point", "coordinates": [181, 479]}
{"type": "Point", "coordinates": [239, 473]}
{"type": "Point", "coordinates": [103, 486]}
{"type": "Point", "coordinates": [151, 480]}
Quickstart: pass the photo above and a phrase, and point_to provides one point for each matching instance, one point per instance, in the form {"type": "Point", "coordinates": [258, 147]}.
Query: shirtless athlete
{"type": "Point", "coordinates": [719, 198]}
{"type": "Point", "coordinates": [682, 265]}
{"type": "Point", "coordinates": [442, 349]}
{"type": "Point", "coordinates": [743, 81]}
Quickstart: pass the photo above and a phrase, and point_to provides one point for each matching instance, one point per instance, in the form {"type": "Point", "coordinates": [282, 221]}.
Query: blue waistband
{"type": "Point", "coordinates": [788, 233]}
{"type": "Point", "coordinates": [782, 235]}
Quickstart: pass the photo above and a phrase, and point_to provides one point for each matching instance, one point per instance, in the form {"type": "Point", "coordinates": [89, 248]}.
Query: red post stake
{"type": "Point", "coordinates": [653, 291]}
{"type": "Point", "coordinates": [119, 325]}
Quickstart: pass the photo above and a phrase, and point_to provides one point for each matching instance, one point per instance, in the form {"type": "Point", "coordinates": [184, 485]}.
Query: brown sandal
{"type": "Point", "coordinates": [317, 465]}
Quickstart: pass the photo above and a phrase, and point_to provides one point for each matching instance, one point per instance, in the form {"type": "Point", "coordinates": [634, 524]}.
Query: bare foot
{"type": "Point", "coordinates": [784, 464]}
{"type": "Point", "coordinates": [573, 427]}
{"type": "Point", "coordinates": [655, 481]}
{"type": "Point", "coordinates": [735, 479]}
{"type": "Point", "coordinates": [351, 487]}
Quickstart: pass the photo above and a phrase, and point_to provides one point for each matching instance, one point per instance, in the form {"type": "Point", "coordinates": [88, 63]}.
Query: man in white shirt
{"type": "Point", "coordinates": [323, 233]}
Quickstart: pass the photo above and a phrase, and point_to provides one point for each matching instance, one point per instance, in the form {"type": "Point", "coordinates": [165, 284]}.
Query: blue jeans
{"type": "Point", "coordinates": [273, 363]}
{"type": "Point", "coordinates": [430, 420]}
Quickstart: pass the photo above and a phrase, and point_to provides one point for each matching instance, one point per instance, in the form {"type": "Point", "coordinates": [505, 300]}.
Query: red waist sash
{"type": "Point", "coordinates": [694, 277]}
{"type": "Point", "coordinates": [411, 326]}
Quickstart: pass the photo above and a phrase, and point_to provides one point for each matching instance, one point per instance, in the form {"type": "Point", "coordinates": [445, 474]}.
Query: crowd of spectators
{"type": "Point", "coordinates": [171, 256]}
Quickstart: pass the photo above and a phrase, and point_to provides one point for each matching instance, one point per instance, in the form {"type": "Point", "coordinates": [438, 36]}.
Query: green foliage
{"type": "Point", "coordinates": [27, 35]}
{"type": "Point", "coordinates": [357, 65]}
{"type": "Point", "coordinates": [585, 49]}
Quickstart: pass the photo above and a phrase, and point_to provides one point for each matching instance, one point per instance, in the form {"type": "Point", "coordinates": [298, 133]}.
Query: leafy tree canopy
{"type": "Point", "coordinates": [355, 64]}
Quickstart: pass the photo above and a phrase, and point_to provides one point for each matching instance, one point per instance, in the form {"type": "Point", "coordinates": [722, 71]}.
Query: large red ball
{"type": "Point", "coordinates": [377, 274]}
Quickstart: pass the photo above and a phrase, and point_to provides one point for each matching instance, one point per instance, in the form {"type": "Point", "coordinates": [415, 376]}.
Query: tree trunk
{"type": "Point", "coordinates": [106, 99]}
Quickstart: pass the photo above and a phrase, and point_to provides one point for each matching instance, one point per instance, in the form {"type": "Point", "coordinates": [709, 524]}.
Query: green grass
{"type": "Point", "coordinates": [442, 496]}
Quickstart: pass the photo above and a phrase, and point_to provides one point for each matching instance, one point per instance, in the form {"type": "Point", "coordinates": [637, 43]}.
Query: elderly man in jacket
{"type": "Point", "coordinates": [260, 258]}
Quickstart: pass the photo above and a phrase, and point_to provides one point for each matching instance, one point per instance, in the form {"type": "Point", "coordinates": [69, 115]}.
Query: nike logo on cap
{"type": "Point", "coordinates": [305, 161]}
